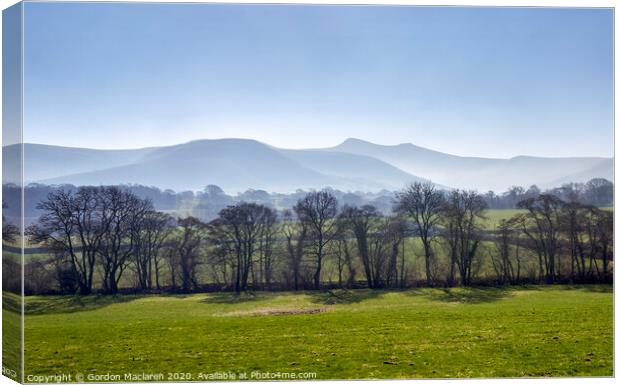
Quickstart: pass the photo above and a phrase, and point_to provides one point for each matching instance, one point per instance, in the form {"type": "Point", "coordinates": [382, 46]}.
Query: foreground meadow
{"type": "Point", "coordinates": [462, 332]}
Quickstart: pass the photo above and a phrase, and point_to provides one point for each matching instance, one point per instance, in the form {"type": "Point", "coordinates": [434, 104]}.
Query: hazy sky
{"type": "Point", "coordinates": [470, 81]}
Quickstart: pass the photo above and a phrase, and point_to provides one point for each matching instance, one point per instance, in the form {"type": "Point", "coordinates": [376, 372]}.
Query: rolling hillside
{"type": "Point", "coordinates": [44, 162]}
{"type": "Point", "coordinates": [239, 164]}
{"type": "Point", "coordinates": [365, 171]}
{"type": "Point", "coordinates": [482, 173]}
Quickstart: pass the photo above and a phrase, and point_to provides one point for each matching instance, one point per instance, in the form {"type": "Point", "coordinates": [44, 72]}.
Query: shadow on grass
{"type": "Point", "coordinates": [467, 295]}
{"type": "Point", "coordinates": [344, 296]}
{"type": "Point", "coordinates": [233, 298]}
{"type": "Point", "coordinates": [593, 288]}
{"type": "Point", "coordinates": [11, 302]}
{"type": "Point", "coordinates": [73, 304]}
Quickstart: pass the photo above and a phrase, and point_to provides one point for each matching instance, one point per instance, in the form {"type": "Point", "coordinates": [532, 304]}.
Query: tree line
{"type": "Point", "coordinates": [206, 204]}
{"type": "Point", "coordinates": [107, 238]}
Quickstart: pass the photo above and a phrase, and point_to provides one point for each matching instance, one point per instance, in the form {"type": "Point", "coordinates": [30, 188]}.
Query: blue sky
{"type": "Point", "coordinates": [471, 81]}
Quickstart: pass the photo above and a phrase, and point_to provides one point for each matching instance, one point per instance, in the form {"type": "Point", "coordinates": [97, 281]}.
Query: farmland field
{"type": "Point", "coordinates": [420, 333]}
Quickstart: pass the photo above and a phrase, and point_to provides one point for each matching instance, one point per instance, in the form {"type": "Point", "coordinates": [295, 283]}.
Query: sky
{"type": "Point", "coordinates": [492, 82]}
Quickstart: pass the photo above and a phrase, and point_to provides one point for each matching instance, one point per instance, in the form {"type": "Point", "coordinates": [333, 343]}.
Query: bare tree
{"type": "Point", "coordinates": [541, 224]}
{"type": "Point", "coordinates": [344, 258]}
{"type": "Point", "coordinates": [506, 257]}
{"type": "Point", "coordinates": [10, 232]}
{"type": "Point", "coordinates": [514, 195]}
{"type": "Point", "coordinates": [423, 203]}
{"type": "Point", "coordinates": [605, 230]}
{"type": "Point", "coordinates": [462, 216]}
{"type": "Point", "coordinates": [123, 213]}
{"type": "Point", "coordinates": [600, 192]}
{"type": "Point", "coordinates": [378, 240]}
{"type": "Point", "coordinates": [572, 224]}
{"type": "Point", "coordinates": [227, 229]}
{"type": "Point", "coordinates": [184, 255]}
{"type": "Point", "coordinates": [245, 226]}
{"type": "Point", "coordinates": [149, 237]}
{"type": "Point", "coordinates": [317, 211]}
{"type": "Point", "coordinates": [295, 232]}
{"type": "Point", "coordinates": [269, 230]}
{"type": "Point", "coordinates": [597, 241]}
{"type": "Point", "coordinates": [360, 222]}
{"type": "Point", "coordinates": [72, 223]}
{"type": "Point", "coordinates": [393, 230]}
{"type": "Point", "coordinates": [219, 262]}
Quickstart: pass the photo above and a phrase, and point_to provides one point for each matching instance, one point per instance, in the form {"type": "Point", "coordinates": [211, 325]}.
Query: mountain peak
{"type": "Point", "coordinates": [354, 141]}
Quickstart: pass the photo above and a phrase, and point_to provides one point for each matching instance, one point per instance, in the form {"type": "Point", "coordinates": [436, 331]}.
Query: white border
{"type": "Point", "coordinates": [480, 3]}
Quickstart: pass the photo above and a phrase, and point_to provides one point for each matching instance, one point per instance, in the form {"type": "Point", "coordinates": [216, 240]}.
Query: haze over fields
{"type": "Point", "coordinates": [240, 164]}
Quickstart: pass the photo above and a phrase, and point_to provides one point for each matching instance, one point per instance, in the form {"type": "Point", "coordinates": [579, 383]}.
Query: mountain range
{"type": "Point", "coordinates": [239, 164]}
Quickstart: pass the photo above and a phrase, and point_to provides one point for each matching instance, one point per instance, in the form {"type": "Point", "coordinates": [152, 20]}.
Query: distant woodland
{"type": "Point", "coordinates": [206, 204]}
{"type": "Point", "coordinates": [114, 239]}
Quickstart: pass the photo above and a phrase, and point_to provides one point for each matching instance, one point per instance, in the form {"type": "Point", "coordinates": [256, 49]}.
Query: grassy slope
{"type": "Point", "coordinates": [11, 332]}
{"type": "Point", "coordinates": [538, 331]}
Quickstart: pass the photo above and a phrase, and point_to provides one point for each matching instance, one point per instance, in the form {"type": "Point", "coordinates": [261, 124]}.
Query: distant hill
{"type": "Point", "coordinates": [481, 173]}
{"type": "Point", "coordinates": [233, 164]}
{"type": "Point", "coordinates": [602, 169]}
{"type": "Point", "coordinates": [45, 162]}
{"type": "Point", "coordinates": [240, 164]}
{"type": "Point", "coordinates": [364, 171]}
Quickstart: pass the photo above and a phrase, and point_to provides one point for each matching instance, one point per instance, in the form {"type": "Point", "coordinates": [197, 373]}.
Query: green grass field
{"type": "Point", "coordinates": [421, 333]}
{"type": "Point", "coordinates": [493, 217]}
{"type": "Point", "coordinates": [11, 335]}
